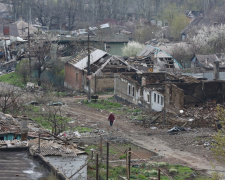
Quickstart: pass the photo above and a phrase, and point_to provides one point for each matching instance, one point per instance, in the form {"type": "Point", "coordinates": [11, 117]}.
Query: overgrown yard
{"type": "Point", "coordinates": [12, 78]}
{"type": "Point", "coordinates": [146, 171]}
{"type": "Point", "coordinates": [141, 166]}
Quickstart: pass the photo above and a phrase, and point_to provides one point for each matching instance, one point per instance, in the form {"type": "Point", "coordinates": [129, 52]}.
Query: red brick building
{"type": "Point", "coordinates": [103, 66]}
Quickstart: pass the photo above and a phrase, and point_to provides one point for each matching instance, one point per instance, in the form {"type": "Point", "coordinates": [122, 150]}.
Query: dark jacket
{"type": "Point", "coordinates": [111, 117]}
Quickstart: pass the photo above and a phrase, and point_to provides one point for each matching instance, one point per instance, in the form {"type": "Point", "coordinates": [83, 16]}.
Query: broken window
{"type": "Point", "coordinates": [158, 99]}
{"type": "Point", "coordinates": [148, 98]}
{"type": "Point", "coordinates": [77, 75]}
{"type": "Point", "coordinates": [162, 100]}
{"type": "Point", "coordinates": [129, 89]}
{"type": "Point", "coordinates": [170, 63]}
{"type": "Point", "coordinates": [133, 91]}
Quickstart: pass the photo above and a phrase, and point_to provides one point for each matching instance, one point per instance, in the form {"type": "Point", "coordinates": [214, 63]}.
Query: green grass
{"type": "Point", "coordinates": [104, 105]}
{"type": "Point", "coordinates": [12, 78]}
{"type": "Point", "coordinates": [81, 129]}
{"type": "Point", "coordinates": [115, 107]}
{"type": "Point", "coordinates": [38, 116]}
{"type": "Point", "coordinates": [145, 172]}
{"type": "Point", "coordinates": [88, 149]}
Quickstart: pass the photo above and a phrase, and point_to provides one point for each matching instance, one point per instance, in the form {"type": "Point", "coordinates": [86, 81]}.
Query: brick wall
{"type": "Point", "coordinates": [191, 93]}
{"type": "Point", "coordinates": [73, 78]}
{"type": "Point", "coordinates": [203, 91]}
{"type": "Point", "coordinates": [174, 98]}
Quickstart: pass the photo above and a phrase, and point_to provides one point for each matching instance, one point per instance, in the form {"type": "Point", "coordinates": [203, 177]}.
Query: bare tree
{"type": "Point", "coordinates": [10, 98]}
{"type": "Point", "coordinates": [183, 55]}
{"type": "Point", "coordinates": [71, 13]}
{"type": "Point", "coordinates": [41, 57]}
{"type": "Point", "coordinates": [53, 116]}
{"type": "Point", "coordinates": [22, 68]}
{"type": "Point", "coordinates": [146, 33]}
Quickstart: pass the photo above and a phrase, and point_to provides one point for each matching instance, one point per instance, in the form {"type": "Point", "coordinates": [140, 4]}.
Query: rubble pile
{"type": "Point", "coordinates": [193, 116]}
{"type": "Point", "coordinates": [13, 143]}
{"type": "Point", "coordinates": [54, 148]}
{"type": "Point", "coordinates": [204, 116]}
{"type": "Point", "coordinates": [69, 135]}
{"type": "Point", "coordinates": [18, 143]}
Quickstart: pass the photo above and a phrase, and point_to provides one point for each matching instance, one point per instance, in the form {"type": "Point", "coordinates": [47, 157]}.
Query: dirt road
{"type": "Point", "coordinates": [174, 149]}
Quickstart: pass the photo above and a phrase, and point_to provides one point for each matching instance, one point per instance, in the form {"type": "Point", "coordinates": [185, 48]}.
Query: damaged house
{"type": "Point", "coordinates": [208, 67]}
{"type": "Point", "coordinates": [205, 63]}
{"type": "Point", "coordinates": [22, 141]}
{"type": "Point", "coordinates": [156, 91]}
{"type": "Point", "coordinates": [103, 66]}
{"type": "Point", "coordinates": [11, 129]}
{"type": "Point", "coordinates": [160, 60]}
{"type": "Point", "coordinates": [147, 89]}
{"type": "Point", "coordinates": [101, 37]}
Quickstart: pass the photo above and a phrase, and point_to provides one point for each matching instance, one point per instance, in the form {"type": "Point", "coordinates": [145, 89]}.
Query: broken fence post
{"type": "Point", "coordinates": [101, 148]}
{"type": "Point", "coordinates": [129, 161]}
{"type": "Point", "coordinates": [107, 162]}
{"type": "Point", "coordinates": [39, 143]}
{"type": "Point", "coordinates": [97, 176]}
{"type": "Point", "coordinates": [159, 174]}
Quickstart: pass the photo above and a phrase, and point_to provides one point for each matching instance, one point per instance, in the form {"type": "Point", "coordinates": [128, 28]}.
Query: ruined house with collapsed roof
{"type": "Point", "coordinates": [205, 63]}
{"type": "Point", "coordinates": [21, 139]}
{"type": "Point", "coordinates": [158, 60]}
{"type": "Point", "coordinates": [103, 66]}
{"type": "Point", "coordinates": [156, 91]}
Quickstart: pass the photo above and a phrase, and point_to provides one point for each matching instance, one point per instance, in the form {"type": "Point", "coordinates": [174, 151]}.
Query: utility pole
{"type": "Point", "coordinates": [29, 20]}
{"type": "Point", "coordinates": [89, 70]}
{"type": "Point", "coordinates": [29, 48]}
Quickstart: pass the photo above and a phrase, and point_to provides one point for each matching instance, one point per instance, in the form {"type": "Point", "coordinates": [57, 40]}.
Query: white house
{"type": "Point", "coordinates": [137, 90]}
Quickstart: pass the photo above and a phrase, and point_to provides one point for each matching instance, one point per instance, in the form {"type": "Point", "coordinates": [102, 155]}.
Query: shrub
{"type": "Point", "coordinates": [123, 156]}
{"type": "Point", "coordinates": [132, 48]}
{"type": "Point", "coordinates": [153, 172]}
{"type": "Point", "coordinates": [173, 171]}
{"type": "Point", "coordinates": [161, 164]}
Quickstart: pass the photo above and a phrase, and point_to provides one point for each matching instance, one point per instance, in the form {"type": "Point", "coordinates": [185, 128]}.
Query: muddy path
{"type": "Point", "coordinates": [158, 140]}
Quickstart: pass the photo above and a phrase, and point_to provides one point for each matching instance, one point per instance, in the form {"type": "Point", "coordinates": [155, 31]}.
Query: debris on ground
{"type": "Point", "coordinates": [176, 129]}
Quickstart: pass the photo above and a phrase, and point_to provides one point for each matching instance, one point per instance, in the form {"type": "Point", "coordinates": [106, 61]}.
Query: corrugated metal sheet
{"type": "Point", "coordinates": [94, 56]}
{"type": "Point", "coordinates": [147, 51]}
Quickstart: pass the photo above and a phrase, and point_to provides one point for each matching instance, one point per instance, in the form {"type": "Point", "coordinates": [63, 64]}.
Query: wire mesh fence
{"type": "Point", "coordinates": [101, 157]}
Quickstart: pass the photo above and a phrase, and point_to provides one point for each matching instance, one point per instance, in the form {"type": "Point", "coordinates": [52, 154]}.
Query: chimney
{"type": "Point", "coordinates": [216, 70]}
{"type": "Point", "coordinates": [24, 130]}
{"type": "Point", "coordinates": [143, 81]}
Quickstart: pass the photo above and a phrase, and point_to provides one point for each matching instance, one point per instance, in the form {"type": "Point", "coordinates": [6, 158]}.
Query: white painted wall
{"type": "Point", "coordinates": [146, 92]}
{"type": "Point", "coordinates": [133, 92]}
{"type": "Point", "coordinates": [157, 101]}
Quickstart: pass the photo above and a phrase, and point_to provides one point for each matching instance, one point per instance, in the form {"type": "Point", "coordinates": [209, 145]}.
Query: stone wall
{"type": "Point", "coordinates": [102, 84]}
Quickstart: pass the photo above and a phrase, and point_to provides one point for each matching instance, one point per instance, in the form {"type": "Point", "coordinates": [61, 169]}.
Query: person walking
{"type": "Point", "coordinates": [111, 118]}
